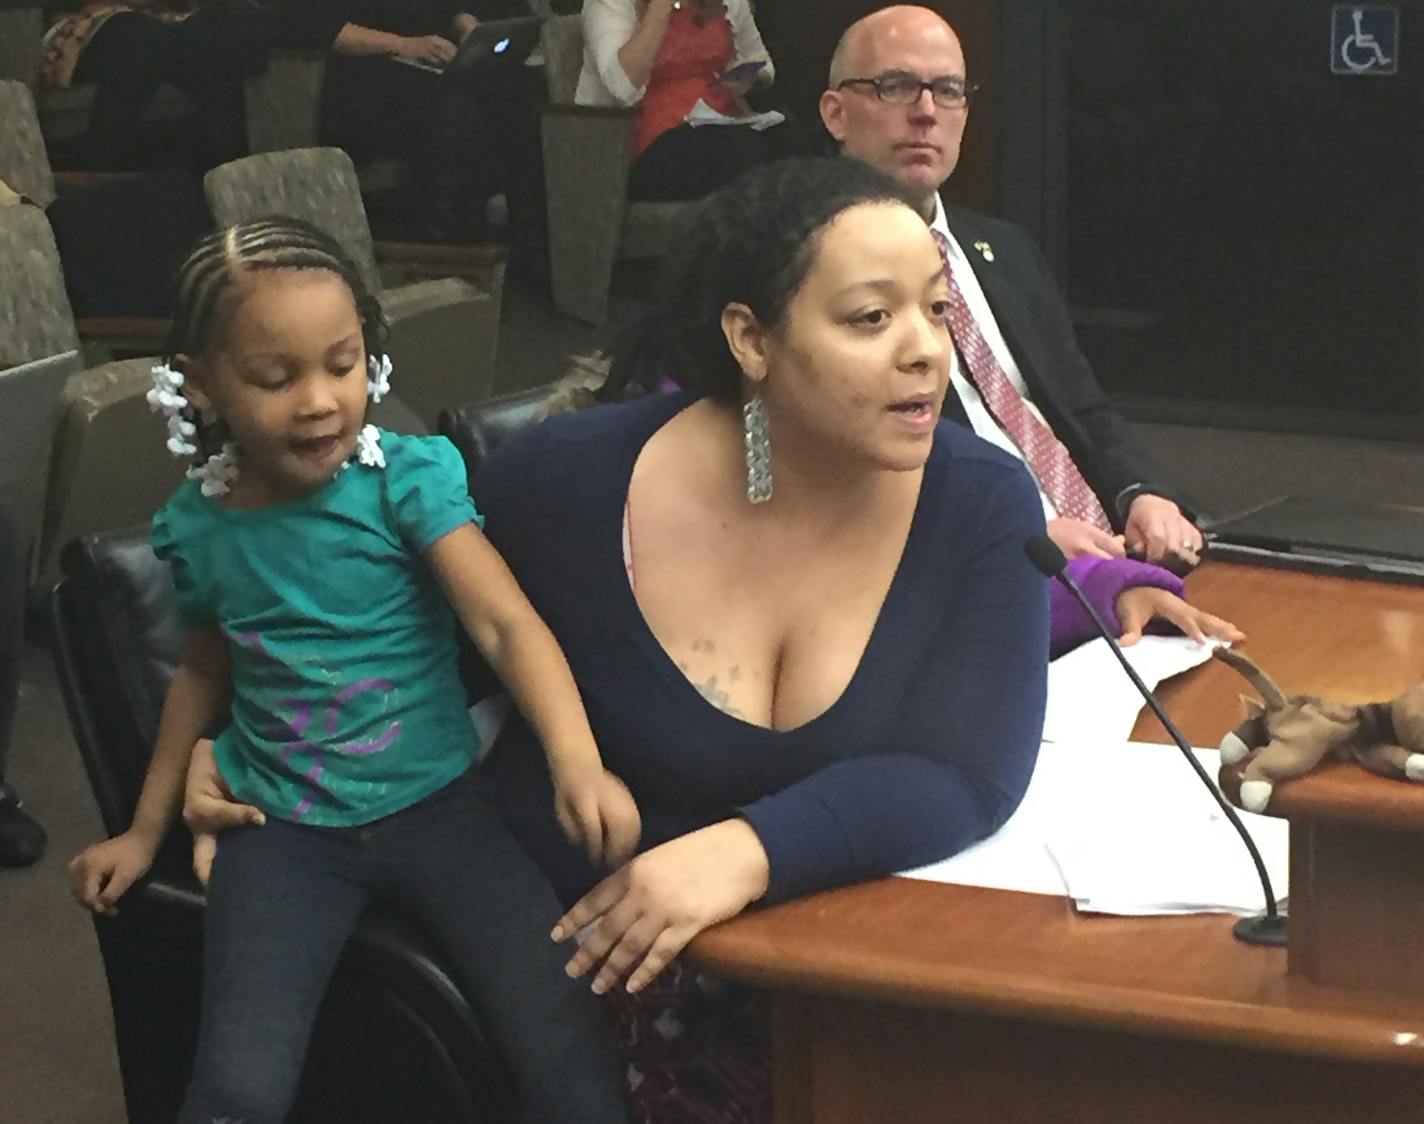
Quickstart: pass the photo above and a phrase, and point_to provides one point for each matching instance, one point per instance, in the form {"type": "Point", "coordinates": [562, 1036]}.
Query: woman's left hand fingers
{"type": "Point", "coordinates": [1221, 629]}
{"type": "Point", "coordinates": [631, 948]}
{"type": "Point", "coordinates": [602, 937]}
{"type": "Point", "coordinates": [1201, 625]}
{"type": "Point", "coordinates": [669, 943]}
{"type": "Point", "coordinates": [1188, 620]}
{"type": "Point", "coordinates": [592, 905]}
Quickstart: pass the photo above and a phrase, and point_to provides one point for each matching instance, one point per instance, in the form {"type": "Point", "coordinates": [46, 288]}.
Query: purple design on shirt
{"type": "Point", "coordinates": [251, 640]}
{"type": "Point", "coordinates": [297, 727]}
{"type": "Point", "coordinates": [375, 745]}
{"type": "Point", "coordinates": [293, 730]}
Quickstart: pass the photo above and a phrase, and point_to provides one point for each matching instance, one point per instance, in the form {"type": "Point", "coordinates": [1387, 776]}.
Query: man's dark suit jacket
{"type": "Point", "coordinates": [1033, 318]}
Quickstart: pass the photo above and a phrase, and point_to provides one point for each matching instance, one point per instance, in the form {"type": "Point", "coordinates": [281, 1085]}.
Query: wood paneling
{"type": "Point", "coordinates": [1357, 906]}
{"type": "Point", "coordinates": [866, 1063]}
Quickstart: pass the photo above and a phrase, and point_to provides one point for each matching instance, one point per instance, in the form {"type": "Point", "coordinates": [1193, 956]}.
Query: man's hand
{"type": "Point", "coordinates": [434, 50]}
{"type": "Point", "coordinates": [597, 812]}
{"type": "Point", "coordinates": [209, 809]}
{"type": "Point", "coordinates": [1156, 528]}
{"type": "Point", "coordinates": [641, 916]}
{"type": "Point", "coordinates": [1077, 539]}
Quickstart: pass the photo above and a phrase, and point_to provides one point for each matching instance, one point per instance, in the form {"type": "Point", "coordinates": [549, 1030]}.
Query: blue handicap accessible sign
{"type": "Point", "coordinates": [1364, 39]}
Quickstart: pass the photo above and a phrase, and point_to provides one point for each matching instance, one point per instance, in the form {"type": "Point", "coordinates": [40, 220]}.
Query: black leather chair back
{"type": "Point", "coordinates": [478, 429]}
{"type": "Point", "coordinates": [117, 644]}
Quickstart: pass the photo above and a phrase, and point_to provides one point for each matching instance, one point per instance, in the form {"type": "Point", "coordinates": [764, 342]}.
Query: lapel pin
{"type": "Point", "coordinates": [985, 249]}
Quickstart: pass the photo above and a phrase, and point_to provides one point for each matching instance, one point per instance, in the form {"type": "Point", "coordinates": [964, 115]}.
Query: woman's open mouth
{"type": "Point", "coordinates": [918, 411]}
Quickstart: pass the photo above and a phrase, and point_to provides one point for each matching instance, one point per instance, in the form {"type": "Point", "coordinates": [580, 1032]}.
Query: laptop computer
{"type": "Point", "coordinates": [507, 42]}
{"type": "Point", "coordinates": [29, 403]}
{"type": "Point", "coordinates": [30, 397]}
{"type": "Point", "coordinates": [1381, 541]}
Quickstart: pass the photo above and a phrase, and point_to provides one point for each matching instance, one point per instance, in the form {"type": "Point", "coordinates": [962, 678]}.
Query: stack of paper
{"type": "Point", "coordinates": [703, 114]}
{"type": "Point", "coordinates": [1090, 696]}
{"type": "Point", "coordinates": [1123, 828]}
{"type": "Point", "coordinates": [1174, 863]}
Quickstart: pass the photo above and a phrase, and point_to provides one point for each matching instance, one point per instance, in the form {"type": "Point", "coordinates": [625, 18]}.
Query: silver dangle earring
{"type": "Point", "coordinates": [756, 427]}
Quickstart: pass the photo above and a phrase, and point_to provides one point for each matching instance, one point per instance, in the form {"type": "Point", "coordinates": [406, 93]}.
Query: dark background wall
{"type": "Point", "coordinates": [1239, 231]}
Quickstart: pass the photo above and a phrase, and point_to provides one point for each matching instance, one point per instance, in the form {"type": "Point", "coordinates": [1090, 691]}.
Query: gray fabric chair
{"type": "Point", "coordinates": [283, 102]}
{"type": "Point", "coordinates": [24, 160]}
{"type": "Point", "coordinates": [35, 317]}
{"type": "Point", "coordinates": [24, 165]}
{"type": "Point", "coordinates": [108, 467]}
{"type": "Point", "coordinates": [443, 331]}
{"type": "Point", "coordinates": [587, 154]}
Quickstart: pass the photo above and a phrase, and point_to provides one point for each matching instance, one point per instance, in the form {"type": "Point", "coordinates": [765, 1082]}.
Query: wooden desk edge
{"type": "Point", "coordinates": [1340, 792]}
{"type": "Point", "coordinates": [972, 990]}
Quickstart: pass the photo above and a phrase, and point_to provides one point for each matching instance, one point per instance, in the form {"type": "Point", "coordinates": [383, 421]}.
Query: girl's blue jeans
{"type": "Point", "coordinates": [282, 900]}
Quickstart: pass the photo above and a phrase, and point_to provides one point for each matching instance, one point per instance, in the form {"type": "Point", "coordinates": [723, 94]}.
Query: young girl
{"type": "Point", "coordinates": [315, 560]}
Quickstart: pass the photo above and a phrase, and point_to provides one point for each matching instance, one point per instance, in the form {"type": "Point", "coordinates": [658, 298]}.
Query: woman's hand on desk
{"type": "Point", "coordinates": [1136, 608]}
{"type": "Point", "coordinates": [639, 918]}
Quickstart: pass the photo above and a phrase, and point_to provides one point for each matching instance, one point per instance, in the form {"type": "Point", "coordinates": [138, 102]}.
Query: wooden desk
{"type": "Point", "coordinates": [911, 1002]}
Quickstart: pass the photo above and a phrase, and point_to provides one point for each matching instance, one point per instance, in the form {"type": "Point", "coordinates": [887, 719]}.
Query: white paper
{"type": "Point", "coordinates": [1090, 697]}
{"type": "Point", "coordinates": [703, 114]}
{"type": "Point", "coordinates": [1123, 828]}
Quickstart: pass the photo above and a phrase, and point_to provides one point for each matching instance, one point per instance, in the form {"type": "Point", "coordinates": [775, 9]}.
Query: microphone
{"type": "Point", "coordinates": [1266, 929]}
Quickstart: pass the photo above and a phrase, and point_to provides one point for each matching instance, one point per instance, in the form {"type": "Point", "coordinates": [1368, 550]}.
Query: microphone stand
{"type": "Point", "coordinates": [1266, 929]}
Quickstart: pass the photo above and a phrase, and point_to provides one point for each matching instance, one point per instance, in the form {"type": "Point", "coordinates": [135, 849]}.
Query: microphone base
{"type": "Point", "coordinates": [1267, 931]}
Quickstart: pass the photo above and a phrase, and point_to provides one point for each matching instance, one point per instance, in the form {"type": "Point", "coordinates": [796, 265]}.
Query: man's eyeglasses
{"type": "Point", "coordinates": [905, 89]}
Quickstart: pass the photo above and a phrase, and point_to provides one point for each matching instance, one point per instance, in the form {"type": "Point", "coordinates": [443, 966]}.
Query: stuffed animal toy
{"type": "Point", "coordinates": [1284, 737]}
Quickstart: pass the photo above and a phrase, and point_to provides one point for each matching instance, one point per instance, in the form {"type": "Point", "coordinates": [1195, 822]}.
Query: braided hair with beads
{"type": "Point", "coordinates": [207, 283]}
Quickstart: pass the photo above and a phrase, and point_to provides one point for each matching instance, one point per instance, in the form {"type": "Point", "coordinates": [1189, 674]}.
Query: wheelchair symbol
{"type": "Point", "coordinates": [1361, 52]}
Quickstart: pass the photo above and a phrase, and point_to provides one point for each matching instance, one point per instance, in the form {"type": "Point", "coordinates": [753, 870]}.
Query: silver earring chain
{"type": "Point", "coordinates": [756, 427]}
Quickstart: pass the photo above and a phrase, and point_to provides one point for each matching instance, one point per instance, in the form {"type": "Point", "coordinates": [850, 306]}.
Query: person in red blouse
{"type": "Point", "coordinates": [664, 57]}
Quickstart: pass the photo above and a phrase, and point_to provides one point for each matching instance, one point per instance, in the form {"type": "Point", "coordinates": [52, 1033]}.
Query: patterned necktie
{"type": "Point", "coordinates": [1047, 457]}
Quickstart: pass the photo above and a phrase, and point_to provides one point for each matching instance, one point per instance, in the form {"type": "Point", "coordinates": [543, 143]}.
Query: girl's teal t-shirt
{"type": "Point", "coordinates": [347, 701]}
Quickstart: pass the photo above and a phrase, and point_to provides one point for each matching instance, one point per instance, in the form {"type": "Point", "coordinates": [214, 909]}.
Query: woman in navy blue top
{"type": "Point", "coordinates": [842, 680]}
{"type": "Point", "coordinates": [927, 749]}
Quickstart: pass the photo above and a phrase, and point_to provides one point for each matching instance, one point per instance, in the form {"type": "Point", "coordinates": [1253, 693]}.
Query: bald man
{"type": "Point", "coordinates": [898, 98]}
